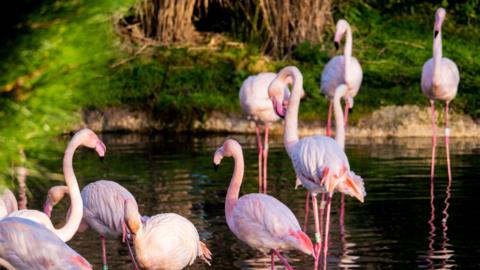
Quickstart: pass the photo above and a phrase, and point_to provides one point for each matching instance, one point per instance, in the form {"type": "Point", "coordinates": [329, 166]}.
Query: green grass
{"type": "Point", "coordinates": [65, 54]}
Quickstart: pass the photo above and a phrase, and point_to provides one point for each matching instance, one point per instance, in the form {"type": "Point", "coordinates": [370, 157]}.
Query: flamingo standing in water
{"type": "Point", "coordinates": [264, 106]}
{"type": "Point", "coordinates": [342, 69]}
{"type": "Point", "coordinates": [84, 137]}
{"type": "Point", "coordinates": [319, 161]}
{"type": "Point", "coordinates": [164, 241]}
{"type": "Point", "coordinates": [440, 78]}
{"type": "Point", "coordinates": [29, 245]}
{"type": "Point", "coordinates": [259, 220]}
{"type": "Point", "coordinates": [103, 210]}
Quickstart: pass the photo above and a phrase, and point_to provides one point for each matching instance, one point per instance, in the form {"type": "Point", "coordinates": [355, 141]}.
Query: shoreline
{"type": "Point", "coordinates": [388, 121]}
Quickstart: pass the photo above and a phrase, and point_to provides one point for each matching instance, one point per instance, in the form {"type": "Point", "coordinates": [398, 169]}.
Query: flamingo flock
{"type": "Point", "coordinates": [29, 240]}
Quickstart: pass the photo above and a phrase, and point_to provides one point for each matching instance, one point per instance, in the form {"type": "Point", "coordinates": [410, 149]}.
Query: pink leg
{"type": "Point", "coordinates": [104, 253]}
{"type": "Point", "coordinates": [447, 147]}
{"type": "Point", "coordinates": [273, 260]}
{"type": "Point", "coordinates": [283, 260]}
{"type": "Point", "coordinates": [260, 150]}
{"type": "Point", "coordinates": [130, 251]}
{"type": "Point", "coordinates": [307, 202]}
{"type": "Point", "coordinates": [327, 228]}
{"type": "Point", "coordinates": [265, 157]}
{"type": "Point", "coordinates": [322, 211]}
{"type": "Point", "coordinates": [434, 139]}
{"type": "Point", "coordinates": [318, 237]}
{"type": "Point", "coordinates": [329, 119]}
{"type": "Point", "coordinates": [346, 113]}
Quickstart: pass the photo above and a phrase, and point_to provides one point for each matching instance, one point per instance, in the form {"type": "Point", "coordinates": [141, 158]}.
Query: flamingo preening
{"type": "Point", "coordinates": [26, 244]}
{"type": "Point", "coordinates": [264, 106]}
{"type": "Point", "coordinates": [165, 241]}
{"type": "Point", "coordinates": [259, 220]}
{"type": "Point", "coordinates": [341, 69]}
{"type": "Point", "coordinates": [440, 78]}
{"type": "Point", "coordinates": [84, 137]}
{"type": "Point", "coordinates": [103, 210]}
{"type": "Point", "coordinates": [319, 161]}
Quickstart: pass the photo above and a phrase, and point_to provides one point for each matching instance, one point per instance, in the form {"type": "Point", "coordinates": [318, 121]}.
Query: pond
{"type": "Point", "coordinates": [406, 222]}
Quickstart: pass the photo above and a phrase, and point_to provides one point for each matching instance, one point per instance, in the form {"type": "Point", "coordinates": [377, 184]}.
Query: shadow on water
{"type": "Point", "coordinates": [406, 222]}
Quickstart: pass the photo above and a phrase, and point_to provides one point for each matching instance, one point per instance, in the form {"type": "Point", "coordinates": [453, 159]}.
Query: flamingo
{"type": "Point", "coordinates": [261, 221]}
{"type": "Point", "coordinates": [264, 106]}
{"type": "Point", "coordinates": [84, 137]}
{"type": "Point", "coordinates": [103, 210]}
{"type": "Point", "coordinates": [319, 161]}
{"type": "Point", "coordinates": [342, 69]}
{"type": "Point", "coordinates": [440, 78]}
{"type": "Point", "coordinates": [8, 203]}
{"type": "Point", "coordinates": [164, 241]}
{"type": "Point", "coordinates": [28, 245]}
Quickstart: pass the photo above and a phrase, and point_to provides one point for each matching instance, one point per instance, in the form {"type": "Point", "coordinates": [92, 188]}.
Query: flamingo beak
{"type": "Point", "coordinates": [435, 34]}
{"type": "Point", "coordinates": [48, 207]}
{"type": "Point", "coordinates": [101, 149]}
{"type": "Point", "coordinates": [337, 45]}
{"type": "Point", "coordinates": [279, 108]}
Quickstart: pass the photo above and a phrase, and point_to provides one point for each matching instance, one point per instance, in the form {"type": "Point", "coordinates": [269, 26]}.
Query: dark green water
{"type": "Point", "coordinates": [399, 226]}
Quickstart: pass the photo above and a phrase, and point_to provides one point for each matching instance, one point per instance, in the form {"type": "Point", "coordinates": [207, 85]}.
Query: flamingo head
{"type": "Point", "coordinates": [133, 220]}
{"type": "Point", "coordinates": [229, 148]}
{"type": "Point", "coordinates": [91, 140]}
{"type": "Point", "coordinates": [341, 28]}
{"type": "Point", "coordinates": [439, 18]}
{"type": "Point", "coordinates": [352, 184]}
{"type": "Point", "coordinates": [279, 95]}
{"type": "Point", "coordinates": [54, 196]}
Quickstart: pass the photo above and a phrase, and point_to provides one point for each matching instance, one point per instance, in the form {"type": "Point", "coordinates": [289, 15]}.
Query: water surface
{"type": "Point", "coordinates": [400, 225]}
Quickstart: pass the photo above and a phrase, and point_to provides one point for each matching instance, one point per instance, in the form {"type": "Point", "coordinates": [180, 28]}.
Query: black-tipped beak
{"type": "Point", "coordinates": [215, 166]}
{"type": "Point", "coordinates": [350, 110]}
{"type": "Point", "coordinates": [337, 46]}
{"type": "Point", "coordinates": [435, 34]}
{"type": "Point", "coordinates": [101, 159]}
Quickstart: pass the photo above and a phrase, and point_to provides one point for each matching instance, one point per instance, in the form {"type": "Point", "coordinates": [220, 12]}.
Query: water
{"type": "Point", "coordinates": [400, 225]}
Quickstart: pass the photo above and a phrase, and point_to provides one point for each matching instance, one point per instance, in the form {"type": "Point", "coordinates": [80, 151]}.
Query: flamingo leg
{"type": "Point", "coordinates": [329, 119]}
{"type": "Point", "coordinates": [260, 150]}
{"type": "Point", "coordinates": [104, 253]}
{"type": "Point", "coordinates": [305, 222]}
{"type": "Point", "coordinates": [327, 228]}
{"type": "Point", "coordinates": [130, 251]}
{"type": "Point", "coordinates": [434, 139]}
{"type": "Point", "coordinates": [265, 157]}
{"type": "Point", "coordinates": [273, 260]}
{"type": "Point", "coordinates": [347, 106]}
{"type": "Point", "coordinates": [447, 147]}
{"type": "Point", "coordinates": [283, 260]}
{"type": "Point", "coordinates": [322, 210]}
{"type": "Point", "coordinates": [318, 237]}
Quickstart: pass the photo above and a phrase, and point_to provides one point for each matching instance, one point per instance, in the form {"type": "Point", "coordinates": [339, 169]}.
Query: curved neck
{"type": "Point", "coordinates": [339, 124]}
{"type": "Point", "coordinates": [291, 119]}
{"type": "Point", "coordinates": [234, 187]}
{"type": "Point", "coordinates": [437, 56]}
{"type": "Point", "coordinates": [347, 53]}
{"type": "Point", "coordinates": [71, 226]}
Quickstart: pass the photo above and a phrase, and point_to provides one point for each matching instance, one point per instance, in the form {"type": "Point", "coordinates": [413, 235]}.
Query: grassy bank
{"type": "Point", "coordinates": [66, 55]}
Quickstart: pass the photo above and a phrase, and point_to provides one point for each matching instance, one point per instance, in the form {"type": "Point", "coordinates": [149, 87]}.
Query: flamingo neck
{"type": "Point", "coordinates": [291, 118]}
{"type": "Point", "coordinates": [73, 221]}
{"type": "Point", "coordinates": [347, 54]}
{"type": "Point", "coordinates": [437, 56]}
{"type": "Point", "coordinates": [339, 124]}
{"type": "Point", "coordinates": [234, 187]}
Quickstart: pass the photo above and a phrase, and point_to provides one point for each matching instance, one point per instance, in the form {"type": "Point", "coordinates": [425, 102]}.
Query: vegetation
{"type": "Point", "coordinates": [63, 56]}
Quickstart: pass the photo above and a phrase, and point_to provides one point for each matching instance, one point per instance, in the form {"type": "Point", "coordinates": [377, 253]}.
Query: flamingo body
{"type": "Point", "coordinates": [168, 241]}
{"type": "Point", "coordinates": [28, 245]}
{"type": "Point", "coordinates": [264, 223]}
{"type": "Point", "coordinates": [445, 88]}
{"type": "Point", "coordinates": [333, 75]}
{"type": "Point", "coordinates": [103, 210]}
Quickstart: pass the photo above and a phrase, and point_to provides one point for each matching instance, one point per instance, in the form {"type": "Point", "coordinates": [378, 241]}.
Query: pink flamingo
{"type": "Point", "coordinates": [84, 137]}
{"type": "Point", "coordinates": [259, 220]}
{"type": "Point", "coordinates": [319, 161]}
{"type": "Point", "coordinates": [264, 106]}
{"type": "Point", "coordinates": [342, 69]}
{"type": "Point", "coordinates": [103, 210]}
{"type": "Point", "coordinates": [164, 241]}
{"type": "Point", "coordinates": [29, 245]}
{"type": "Point", "coordinates": [440, 78]}
{"type": "Point", "coordinates": [8, 203]}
